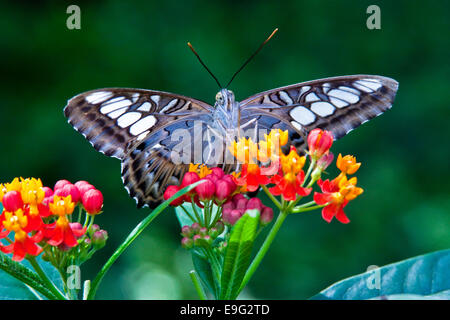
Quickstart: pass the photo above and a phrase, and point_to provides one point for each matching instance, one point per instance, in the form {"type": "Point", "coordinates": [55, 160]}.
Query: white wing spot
{"type": "Point", "coordinates": [117, 113]}
{"type": "Point", "coordinates": [344, 95]}
{"type": "Point", "coordinates": [296, 125]}
{"type": "Point", "coordinates": [143, 135]}
{"type": "Point", "coordinates": [311, 97]}
{"type": "Point", "coordinates": [326, 87]}
{"type": "Point", "coordinates": [114, 104]}
{"type": "Point", "coordinates": [323, 109]}
{"type": "Point", "coordinates": [304, 89]}
{"type": "Point", "coordinates": [155, 98]}
{"type": "Point", "coordinates": [169, 105]}
{"type": "Point", "coordinates": [145, 107]}
{"type": "Point", "coordinates": [135, 97]}
{"type": "Point", "coordinates": [128, 119]}
{"type": "Point", "coordinates": [370, 83]}
{"type": "Point", "coordinates": [302, 115]}
{"type": "Point", "coordinates": [338, 102]}
{"type": "Point", "coordinates": [343, 88]}
{"type": "Point", "coordinates": [142, 125]}
{"type": "Point", "coordinates": [98, 97]}
{"type": "Point", "coordinates": [286, 98]}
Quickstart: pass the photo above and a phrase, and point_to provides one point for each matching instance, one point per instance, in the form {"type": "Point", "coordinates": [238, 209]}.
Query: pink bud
{"type": "Point", "coordinates": [82, 188]}
{"type": "Point", "coordinates": [255, 203]}
{"type": "Point", "coordinates": [218, 172]}
{"type": "Point", "coordinates": [48, 191]}
{"type": "Point", "coordinates": [80, 183]}
{"type": "Point", "coordinates": [223, 190]}
{"type": "Point", "coordinates": [205, 190]}
{"type": "Point", "coordinates": [187, 243]}
{"type": "Point", "coordinates": [195, 227]}
{"type": "Point", "coordinates": [70, 189]}
{"type": "Point", "coordinates": [213, 178]}
{"type": "Point", "coordinates": [228, 206]}
{"type": "Point", "coordinates": [241, 204]}
{"type": "Point", "coordinates": [93, 201]}
{"type": "Point", "coordinates": [237, 197]}
{"type": "Point", "coordinates": [186, 231]}
{"type": "Point", "coordinates": [61, 183]}
{"type": "Point", "coordinates": [189, 178]}
{"type": "Point", "coordinates": [231, 217]}
{"type": "Point", "coordinates": [230, 180]}
{"type": "Point", "coordinates": [12, 201]}
{"type": "Point", "coordinates": [266, 216]}
{"type": "Point", "coordinates": [325, 160]}
{"type": "Point", "coordinates": [170, 191]}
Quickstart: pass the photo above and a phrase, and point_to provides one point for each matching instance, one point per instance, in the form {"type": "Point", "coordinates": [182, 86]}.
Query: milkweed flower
{"type": "Point", "coordinates": [92, 201]}
{"type": "Point", "coordinates": [251, 177]}
{"type": "Point", "coordinates": [335, 195]}
{"type": "Point", "coordinates": [23, 243]}
{"type": "Point", "coordinates": [347, 164]}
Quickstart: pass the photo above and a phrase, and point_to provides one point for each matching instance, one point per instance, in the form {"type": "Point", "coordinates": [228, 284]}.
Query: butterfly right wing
{"type": "Point", "coordinates": [137, 126]}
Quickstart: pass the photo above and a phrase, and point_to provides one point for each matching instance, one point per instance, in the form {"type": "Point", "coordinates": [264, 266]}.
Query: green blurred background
{"type": "Point", "coordinates": [405, 210]}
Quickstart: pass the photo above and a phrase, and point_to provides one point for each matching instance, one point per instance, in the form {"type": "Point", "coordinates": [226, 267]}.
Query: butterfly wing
{"type": "Point", "coordinates": [338, 104]}
{"type": "Point", "coordinates": [136, 126]}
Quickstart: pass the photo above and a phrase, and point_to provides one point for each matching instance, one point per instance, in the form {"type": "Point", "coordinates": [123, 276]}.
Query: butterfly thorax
{"type": "Point", "coordinates": [226, 113]}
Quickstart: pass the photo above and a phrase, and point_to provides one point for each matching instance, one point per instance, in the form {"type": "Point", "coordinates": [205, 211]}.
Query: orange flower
{"type": "Point", "coordinates": [251, 178]}
{"type": "Point", "coordinates": [201, 169]}
{"type": "Point", "coordinates": [23, 244]}
{"type": "Point", "coordinates": [245, 150]}
{"type": "Point", "coordinates": [335, 195]}
{"type": "Point", "coordinates": [270, 148]}
{"type": "Point", "coordinates": [347, 164]}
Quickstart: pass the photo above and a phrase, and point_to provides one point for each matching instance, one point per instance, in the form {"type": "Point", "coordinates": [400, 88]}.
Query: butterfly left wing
{"type": "Point", "coordinates": [338, 104]}
{"type": "Point", "coordinates": [136, 126]}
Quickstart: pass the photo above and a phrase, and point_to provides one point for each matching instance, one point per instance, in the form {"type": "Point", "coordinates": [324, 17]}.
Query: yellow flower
{"type": "Point", "coordinates": [348, 189]}
{"type": "Point", "coordinates": [32, 193]}
{"type": "Point", "coordinates": [292, 163]}
{"type": "Point", "coordinates": [347, 164]}
{"type": "Point", "coordinates": [62, 206]}
{"type": "Point", "coordinates": [16, 222]}
{"type": "Point", "coordinates": [245, 150]}
{"type": "Point", "coordinates": [270, 148]}
{"type": "Point", "coordinates": [201, 169]}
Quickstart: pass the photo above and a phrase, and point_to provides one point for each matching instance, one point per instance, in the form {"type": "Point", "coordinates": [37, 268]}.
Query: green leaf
{"type": "Point", "coordinates": [203, 269]}
{"type": "Point", "coordinates": [237, 254]}
{"type": "Point", "coordinates": [16, 278]}
{"type": "Point", "coordinates": [425, 276]}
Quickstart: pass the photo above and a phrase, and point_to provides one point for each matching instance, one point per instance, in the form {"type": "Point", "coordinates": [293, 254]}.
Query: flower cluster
{"type": "Point", "coordinates": [36, 218]}
{"type": "Point", "coordinates": [196, 235]}
{"type": "Point", "coordinates": [239, 204]}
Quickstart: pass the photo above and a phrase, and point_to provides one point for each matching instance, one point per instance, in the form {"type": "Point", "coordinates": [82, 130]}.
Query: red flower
{"type": "Point", "coordinates": [289, 186]}
{"type": "Point", "coordinates": [251, 177]}
{"type": "Point", "coordinates": [205, 190]}
{"type": "Point", "coordinates": [319, 142]}
{"type": "Point", "coordinates": [170, 191]}
{"type": "Point", "coordinates": [12, 201]}
{"type": "Point", "coordinates": [63, 232]}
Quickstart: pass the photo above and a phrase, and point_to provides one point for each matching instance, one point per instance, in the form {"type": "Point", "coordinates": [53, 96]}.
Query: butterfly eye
{"type": "Point", "coordinates": [219, 98]}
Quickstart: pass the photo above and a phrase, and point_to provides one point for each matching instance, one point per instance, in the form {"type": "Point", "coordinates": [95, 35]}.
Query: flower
{"type": "Point", "coordinates": [319, 142]}
{"type": "Point", "coordinates": [206, 190]}
{"type": "Point", "coordinates": [62, 206]}
{"type": "Point", "coordinates": [270, 148]}
{"type": "Point", "coordinates": [201, 170]}
{"type": "Point", "coordinates": [251, 177]}
{"type": "Point", "coordinates": [23, 244]}
{"type": "Point", "coordinates": [288, 182]}
{"type": "Point", "coordinates": [92, 201]}
{"type": "Point", "coordinates": [245, 151]}
{"type": "Point", "coordinates": [335, 196]}
{"type": "Point", "coordinates": [12, 201]}
{"type": "Point", "coordinates": [347, 164]}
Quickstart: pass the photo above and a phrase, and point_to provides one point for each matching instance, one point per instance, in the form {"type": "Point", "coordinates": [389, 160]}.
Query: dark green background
{"type": "Point", "coordinates": [404, 210]}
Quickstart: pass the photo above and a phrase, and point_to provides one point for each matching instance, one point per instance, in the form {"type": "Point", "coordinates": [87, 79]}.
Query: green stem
{"type": "Point", "coordinates": [133, 235]}
{"type": "Point", "coordinates": [49, 284]}
{"type": "Point", "coordinates": [197, 285]}
{"type": "Point", "coordinates": [263, 250]}
{"type": "Point", "coordinates": [274, 200]}
{"type": "Point", "coordinates": [303, 209]}
{"type": "Point", "coordinates": [187, 213]}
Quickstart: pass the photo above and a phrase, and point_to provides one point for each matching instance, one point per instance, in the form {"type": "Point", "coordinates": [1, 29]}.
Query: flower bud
{"type": "Point", "coordinates": [47, 191]}
{"type": "Point", "coordinates": [254, 203]}
{"type": "Point", "coordinates": [93, 201]}
{"type": "Point", "coordinates": [218, 172]}
{"type": "Point", "coordinates": [228, 206]}
{"type": "Point", "coordinates": [213, 232]}
{"type": "Point", "coordinates": [93, 228]}
{"type": "Point", "coordinates": [187, 243]}
{"type": "Point", "coordinates": [213, 178]}
{"type": "Point", "coordinates": [241, 204]}
{"type": "Point", "coordinates": [195, 227]}
{"type": "Point", "coordinates": [12, 201]}
{"type": "Point", "coordinates": [237, 197]}
{"type": "Point", "coordinates": [80, 183]}
{"type": "Point", "coordinates": [69, 189]}
{"type": "Point", "coordinates": [223, 190]}
{"type": "Point", "coordinates": [220, 227]}
{"type": "Point", "coordinates": [170, 191]}
{"type": "Point", "coordinates": [198, 241]}
{"type": "Point", "coordinates": [189, 178]}
{"type": "Point", "coordinates": [319, 142]}
{"type": "Point", "coordinates": [82, 188]}
{"type": "Point", "coordinates": [99, 238]}
{"type": "Point", "coordinates": [266, 216]}
{"type": "Point", "coordinates": [231, 217]}
{"type": "Point", "coordinates": [229, 179]}
{"type": "Point", "coordinates": [207, 239]}
{"type": "Point", "coordinates": [186, 231]}
{"type": "Point", "coordinates": [205, 190]}
{"type": "Point", "coordinates": [203, 231]}
{"type": "Point", "coordinates": [61, 183]}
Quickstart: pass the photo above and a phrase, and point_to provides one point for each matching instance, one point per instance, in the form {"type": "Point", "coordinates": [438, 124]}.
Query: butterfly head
{"type": "Point", "coordinates": [225, 99]}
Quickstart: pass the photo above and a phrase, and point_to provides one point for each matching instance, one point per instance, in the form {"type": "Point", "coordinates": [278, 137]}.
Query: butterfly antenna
{"type": "Point", "coordinates": [251, 57]}
{"type": "Point", "coordinates": [203, 64]}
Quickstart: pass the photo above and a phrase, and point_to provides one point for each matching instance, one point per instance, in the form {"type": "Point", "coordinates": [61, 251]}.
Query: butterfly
{"type": "Point", "coordinates": [140, 127]}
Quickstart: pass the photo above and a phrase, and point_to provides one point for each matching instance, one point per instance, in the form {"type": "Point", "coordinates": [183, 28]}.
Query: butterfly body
{"type": "Point", "coordinates": [157, 134]}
